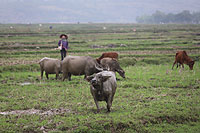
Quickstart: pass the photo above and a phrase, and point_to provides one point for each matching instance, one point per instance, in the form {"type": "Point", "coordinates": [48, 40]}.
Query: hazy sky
{"type": "Point", "coordinates": [119, 11]}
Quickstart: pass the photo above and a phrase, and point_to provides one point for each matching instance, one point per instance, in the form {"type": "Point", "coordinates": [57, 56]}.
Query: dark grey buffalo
{"type": "Point", "coordinates": [103, 87]}
{"type": "Point", "coordinates": [50, 66]}
{"type": "Point", "coordinates": [78, 65]}
{"type": "Point", "coordinates": [113, 65]}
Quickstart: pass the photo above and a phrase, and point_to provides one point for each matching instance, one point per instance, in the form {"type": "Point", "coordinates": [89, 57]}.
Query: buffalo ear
{"type": "Point", "coordinates": [104, 78]}
{"type": "Point", "coordinates": [88, 78]}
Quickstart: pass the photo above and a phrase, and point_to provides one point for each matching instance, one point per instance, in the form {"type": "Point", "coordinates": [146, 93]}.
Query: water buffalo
{"type": "Point", "coordinates": [113, 65]}
{"type": "Point", "coordinates": [50, 66]}
{"type": "Point", "coordinates": [78, 65]}
{"type": "Point", "coordinates": [182, 58]}
{"type": "Point", "coordinates": [108, 54]}
{"type": "Point", "coordinates": [103, 87]}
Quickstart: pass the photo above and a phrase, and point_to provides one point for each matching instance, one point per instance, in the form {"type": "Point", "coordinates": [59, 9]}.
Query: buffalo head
{"type": "Point", "coordinates": [97, 79]}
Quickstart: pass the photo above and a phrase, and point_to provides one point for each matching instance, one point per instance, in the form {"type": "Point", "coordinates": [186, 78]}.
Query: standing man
{"type": "Point", "coordinates": [63, 44]}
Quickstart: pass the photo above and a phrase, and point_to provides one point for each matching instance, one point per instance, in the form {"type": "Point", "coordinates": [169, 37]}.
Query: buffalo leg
{"type": "Point", "coordinates": [64, 76]}
{"type": "Point", "coordinates": [47, 75]}
{"type": "Point", "coordinates": [69, 76]}
{"type": "Point", "coordinates": [97, 104]}
{"type": "Point", "coordinates": [112, 97]}
{"type": "Point", "coordinates": [87, 73]}
{"type": "Point", "coordinates": [42, 71]}
{"type": "Point", "coordinates": [57, 75]}
{"type": "Point", "coordinates": [109, 103]}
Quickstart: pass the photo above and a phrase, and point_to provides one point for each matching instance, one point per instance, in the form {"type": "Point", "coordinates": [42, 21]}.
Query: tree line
{"type": "Point", "coordinates": [184, 17]}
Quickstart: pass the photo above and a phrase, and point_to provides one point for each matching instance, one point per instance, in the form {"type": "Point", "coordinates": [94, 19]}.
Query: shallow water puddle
{"type": "Point", "coordinates": [36, 111]}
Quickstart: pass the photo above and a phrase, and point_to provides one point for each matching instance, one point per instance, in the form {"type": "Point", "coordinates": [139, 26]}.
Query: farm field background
{"type": "Point", "coordinates": [152, 98]}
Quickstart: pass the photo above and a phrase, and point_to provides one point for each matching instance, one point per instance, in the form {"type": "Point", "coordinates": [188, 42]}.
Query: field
{"type": "Point", "coordinates": [152, 98]}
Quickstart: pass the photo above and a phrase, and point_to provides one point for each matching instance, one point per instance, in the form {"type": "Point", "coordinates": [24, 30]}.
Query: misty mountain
{"type": "Point", "coordinates": [118, 11]}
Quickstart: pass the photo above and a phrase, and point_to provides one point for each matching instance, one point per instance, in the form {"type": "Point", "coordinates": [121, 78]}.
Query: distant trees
{"type": "Point", "coordinates": [184, 17]}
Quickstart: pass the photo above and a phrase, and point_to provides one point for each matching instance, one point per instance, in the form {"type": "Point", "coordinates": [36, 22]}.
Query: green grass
{"type": "Point", "coordinates": [149, 99]}
{"type": "Point", "coordinates": [152, 98]}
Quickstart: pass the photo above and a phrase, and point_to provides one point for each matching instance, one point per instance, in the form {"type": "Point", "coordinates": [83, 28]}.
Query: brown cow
{"type": "Point", "coordinates": [182, 58]}
{"type": "Point", "coordinates": [108, 54]}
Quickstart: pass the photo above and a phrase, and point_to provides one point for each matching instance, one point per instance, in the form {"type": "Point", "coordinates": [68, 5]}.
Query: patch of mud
{"type": "Point", "coordinates": [25, 83]}
{"type": "Point", "coordinates": [170, 119]}
{"type": "Point", "coordinates": [37, 112]}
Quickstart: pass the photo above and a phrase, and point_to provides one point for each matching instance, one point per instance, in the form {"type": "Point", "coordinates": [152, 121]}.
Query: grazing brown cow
{"type": "Point", "coordinates": [108, 54]}
{"type": "Point", "coordinates": [182, 58]}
